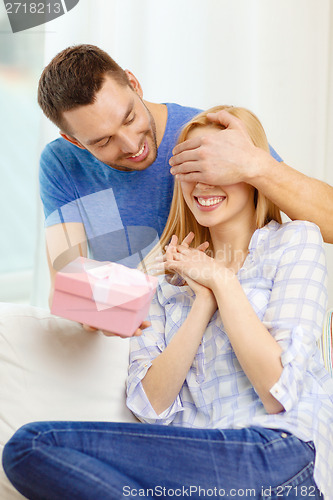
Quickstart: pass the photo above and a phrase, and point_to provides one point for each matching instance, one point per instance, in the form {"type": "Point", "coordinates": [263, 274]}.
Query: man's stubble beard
{"type": "Point", "coordinates": [152, 134]}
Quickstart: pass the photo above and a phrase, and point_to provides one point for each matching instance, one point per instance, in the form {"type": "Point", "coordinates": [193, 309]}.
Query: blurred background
{"type": "Point", "coordinates": [272, 56]}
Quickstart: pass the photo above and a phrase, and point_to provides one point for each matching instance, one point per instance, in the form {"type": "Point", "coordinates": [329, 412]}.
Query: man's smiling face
{"type": "Point", "coordinates": [117, 128]}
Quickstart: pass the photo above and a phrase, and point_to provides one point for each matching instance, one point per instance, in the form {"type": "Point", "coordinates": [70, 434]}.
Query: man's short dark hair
{"type": "Point", "coordinates": [73, 78]}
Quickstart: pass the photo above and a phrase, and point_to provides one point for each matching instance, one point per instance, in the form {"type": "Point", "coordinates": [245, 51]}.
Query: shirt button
{"type": "Point", "coordinates": [284, 435]}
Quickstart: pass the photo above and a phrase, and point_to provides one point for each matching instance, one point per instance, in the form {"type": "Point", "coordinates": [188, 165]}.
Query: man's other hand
{"type": "Point", "coordinates": [224, 158]}
{"type": "Point", "coordinates": [137, 333]}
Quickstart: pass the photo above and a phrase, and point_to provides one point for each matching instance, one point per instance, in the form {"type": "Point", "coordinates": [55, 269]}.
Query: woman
{"type": "Point", "coordinates": [254, 362]}
{"type": "Point", "coordinates": [230, 362]}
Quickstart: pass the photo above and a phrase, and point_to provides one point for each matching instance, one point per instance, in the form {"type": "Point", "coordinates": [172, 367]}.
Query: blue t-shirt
{"type": "Point", "coordinates": [123, 213]}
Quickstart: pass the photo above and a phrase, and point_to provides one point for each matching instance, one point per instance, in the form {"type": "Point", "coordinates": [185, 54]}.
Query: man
{"type": "Point", "coordinates": [106, 181]}
{"type": "Point", "coordinates": [96, 186]}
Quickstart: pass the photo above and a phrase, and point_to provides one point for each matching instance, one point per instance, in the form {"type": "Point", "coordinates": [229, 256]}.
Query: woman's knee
{"type": "Point", "coordinates": [20, 445]}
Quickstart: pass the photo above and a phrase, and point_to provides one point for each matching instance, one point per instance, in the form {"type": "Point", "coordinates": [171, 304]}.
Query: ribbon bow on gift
{"type": "Point", "coordinates": [104, 279]}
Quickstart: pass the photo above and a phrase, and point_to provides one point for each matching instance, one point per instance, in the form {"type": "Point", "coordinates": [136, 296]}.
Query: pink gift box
{"type": "Point", "coordinates": [104, 295]}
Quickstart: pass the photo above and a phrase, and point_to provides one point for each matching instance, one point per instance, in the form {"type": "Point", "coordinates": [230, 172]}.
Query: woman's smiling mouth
{"type": "Point", "coordinates": [208, 202]}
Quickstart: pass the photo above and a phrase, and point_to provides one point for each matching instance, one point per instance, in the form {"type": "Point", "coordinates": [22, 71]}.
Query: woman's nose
{"type": "Point", "coordinates": [202, 186]}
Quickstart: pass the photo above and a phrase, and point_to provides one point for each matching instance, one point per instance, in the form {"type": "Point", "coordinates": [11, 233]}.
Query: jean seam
{"type": "Point", "coordinates": [77, 469]}
{"type": "Point", "coordinates": [216, 469]}
{"type": "Point", "coordinates": [300, 476]}
{"type": "Point", "coordinates": [163, 436]}
{"type": "Point", "coordinates": [280, 439]}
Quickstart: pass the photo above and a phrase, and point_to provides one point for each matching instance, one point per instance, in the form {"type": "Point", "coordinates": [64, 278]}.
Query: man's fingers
{"type": "Point", "coordinates": [223, 118]}
{"type": "Point", "coordinates": [137, 333]}
{"type": "Point", "coordinates": [184, 157]}
{"type": "Point", "coordinates": [105, 332]}
{"type": "Point", "coordinates": [191, 177]}
{"type": "Point", "coordinates": [226, 119]}
{"type": "Point", "coordinates": [145, 324]}
{"type": "Point", "coordinates": [110, 334]}
{"type": "Point", "coordinates": [186, 168]}
{"type": "Point", "coordinates": [88, 328]}
{"type": "Point", "coordinates": [187, 145]}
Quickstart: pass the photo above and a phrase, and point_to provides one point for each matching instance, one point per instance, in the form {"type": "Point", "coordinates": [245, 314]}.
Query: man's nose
{"type": "Point", "coordinates": [129, 143]}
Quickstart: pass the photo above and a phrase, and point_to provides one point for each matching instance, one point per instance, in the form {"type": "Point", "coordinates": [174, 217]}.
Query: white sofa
{"type": "Point", "coordinates": [52, 369]}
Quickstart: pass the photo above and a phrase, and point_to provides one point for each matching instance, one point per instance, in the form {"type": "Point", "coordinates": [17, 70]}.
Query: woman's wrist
{"type": "Point", "coordinates": [222, 278]}
{"type": "Point", "coordinates": [206, 303]}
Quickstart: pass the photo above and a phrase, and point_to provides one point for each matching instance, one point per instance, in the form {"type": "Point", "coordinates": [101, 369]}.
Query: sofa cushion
{"type": "Point", "coordinates": [52, 369]}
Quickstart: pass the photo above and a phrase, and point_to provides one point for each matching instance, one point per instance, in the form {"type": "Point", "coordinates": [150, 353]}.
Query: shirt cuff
{"type": "Point", "coordinates": [139, 404]}
{"type": "Point", "coordinates": [295, 360]}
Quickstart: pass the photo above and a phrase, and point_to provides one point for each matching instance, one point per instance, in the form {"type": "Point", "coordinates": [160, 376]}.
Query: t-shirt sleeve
{"type": "Point", "coordinates": [297, 306]}
{"type": "Point", "coordinates": [56, 190]}
{"type": "Point", "coordinates": [274, 154]}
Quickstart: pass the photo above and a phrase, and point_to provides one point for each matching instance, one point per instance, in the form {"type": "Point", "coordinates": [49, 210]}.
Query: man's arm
{"type": "Point", "coordinates": [64, 243]}
{"type": "Point", "coordinates": [231, 157]}
{"type": "Point", "coordinates": [297, 195]}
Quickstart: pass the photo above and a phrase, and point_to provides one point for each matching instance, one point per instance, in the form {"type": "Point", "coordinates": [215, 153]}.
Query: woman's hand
{"type": "Point", "coordinates": [193, 263]}
{"type": "Point", "coordinates": [172, 262]}
{"type": "Point", "coordinates": [171, 249]}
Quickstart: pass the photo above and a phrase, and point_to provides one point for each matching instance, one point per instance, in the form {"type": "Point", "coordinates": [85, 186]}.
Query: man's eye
{"type": "Point", "coordinates": [105, 143]}
{"type": "Point", "coordinates": [130, 120]}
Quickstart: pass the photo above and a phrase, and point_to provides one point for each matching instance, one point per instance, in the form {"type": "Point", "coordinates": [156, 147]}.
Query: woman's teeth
{"type": "Point", "coordinates": [210, 201]}
{"type": "Point", "coordinates": [139, 153]}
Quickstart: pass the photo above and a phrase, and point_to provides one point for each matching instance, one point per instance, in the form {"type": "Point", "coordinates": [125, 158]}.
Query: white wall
{"type": "Point", "coordinates": [273, 56]}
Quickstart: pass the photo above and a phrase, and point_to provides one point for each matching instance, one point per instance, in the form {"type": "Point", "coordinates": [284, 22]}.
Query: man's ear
{"type": "Point", "coordinates": [135, 84]}
{"type": "Point", "coordinates": [71, 139]}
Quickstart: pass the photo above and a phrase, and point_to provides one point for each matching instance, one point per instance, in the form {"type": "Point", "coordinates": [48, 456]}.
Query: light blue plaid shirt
{"type": "Point", "coordinates": [284, 277]}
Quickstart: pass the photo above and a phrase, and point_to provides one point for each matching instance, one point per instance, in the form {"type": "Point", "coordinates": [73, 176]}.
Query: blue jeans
{"type": "Point", "coordinates": [102, 461]}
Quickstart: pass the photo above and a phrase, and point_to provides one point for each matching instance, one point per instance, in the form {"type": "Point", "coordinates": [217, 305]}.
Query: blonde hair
{"type": "Point", "coordinates": [181, 221]}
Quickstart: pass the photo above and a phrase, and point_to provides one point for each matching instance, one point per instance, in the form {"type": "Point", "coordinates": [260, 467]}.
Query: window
{"type": "Point", "coordinates": [21, 62]}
